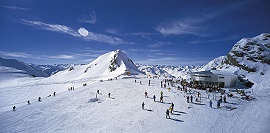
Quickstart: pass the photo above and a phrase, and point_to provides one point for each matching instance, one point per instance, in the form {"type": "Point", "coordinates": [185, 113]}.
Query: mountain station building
{"type": "Point", "coordinates": [214, 78]}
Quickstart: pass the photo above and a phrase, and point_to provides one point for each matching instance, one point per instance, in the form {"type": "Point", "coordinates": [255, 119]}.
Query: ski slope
{"type": "Point", "coordinates": [79, 110]}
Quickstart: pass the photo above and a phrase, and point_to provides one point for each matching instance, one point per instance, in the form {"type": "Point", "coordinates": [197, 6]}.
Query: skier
{"type": "Point", "coordinates": [161, 99]}
{"type": "Point", "coordinates": [140, 82]}
{"type": "Point", "coordinates": [54, 93]}
{"type": "Point", "coordinates": [135, 80]}
{"type": "Point", "coordinates": [143, 105]}
{"type": "Point", "coordinates": [187, 99]}
{"type": "Point", "coordinates": [167, 114]}
{"type": "Point", "coordinates": [109, 95]}
{"type": "Point", "coordinates": [39, 99]}
{"type": "Point", "coordinates": [14, 108]}
{"type": "Point", "coordinates": [164, 85]}
{"type": "Point", "coordinates": [221, 99]}
{"type": "Point", "coordinates": [191, 98]}
{"type": "Point", "coordinates": [145, 94]}
{"type": "Point", "coordinates": [149, 83]}
{"type": "Point", "coordinates": [172, 106]}
{"type": "Point", "coordinates": [161, 93]}
{"type": "Point", "coordinates": [161, 84]}
{"type": "Point", "coordinates": [210, 103]}
{"type": "Point", "coordinates": [28, 102]}
{"type": "Point", "coordinates": [171, 109]}
{"type": "Point", "coordinates": [224, 99]}
{"type": "Point", "coordinates": [97, 91]}
{"type": "Point", "coordinates": [218, 103]}
{"type": "Point", "coordinates": [154, 97]}
{"type": "Point", "coordinates": [199, 94]}
{"type": "Point", "coordinates": [169, 89]}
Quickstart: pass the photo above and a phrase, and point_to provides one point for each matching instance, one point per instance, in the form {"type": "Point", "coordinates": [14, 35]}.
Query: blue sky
{"type": "Point", "coordinates": [168, 32]}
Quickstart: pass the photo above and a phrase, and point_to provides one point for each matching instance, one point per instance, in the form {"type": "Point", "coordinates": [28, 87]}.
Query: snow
{"type": "Point", "coordinates": [80, 111]}
{"type": "Point", "coordinates": [27, 69]}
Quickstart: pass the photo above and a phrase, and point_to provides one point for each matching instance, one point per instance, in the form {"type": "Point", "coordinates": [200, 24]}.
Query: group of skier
{"type": "Point", "coordinates": [28, 102]}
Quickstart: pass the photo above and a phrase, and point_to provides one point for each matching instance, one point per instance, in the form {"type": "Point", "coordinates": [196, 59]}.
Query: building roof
{"type": "Point", "coordinates": [214, 72]}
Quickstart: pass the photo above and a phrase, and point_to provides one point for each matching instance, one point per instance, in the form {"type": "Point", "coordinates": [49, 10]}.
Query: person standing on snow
{"type": "Point", "coordinates": [172, 106]}
{"type": "Point", "coordinates": [39, 99]}
{"type": "Point", "coordinates": [191, 98]}
{"type": "Point", "coordinates": [171, 109]}
{"type": "Point", "coordinates": [224, 99]}
{"type": "Point", "coordinates": [14, 108]}
{"type": "Point", "coordinates": [187, 99]}
{"type": "Point", "coordinates": [28, 102]}
{"type": "Point", "coordinates": [154, 97]}
{"type": "Point", "coordinates": [161, 99]}
{"type": "Point", "coordinates": [210, 103]}
{"type": "Point", "coordinates": [109, 95]}
{"type": "Point", "coordinates": [54, 93]}
{"type": "Point", "coordinates": [218, 103]}
{"type": "Point", "coordinates": [143, 105]}
{"type": "Point", "coordinates": [161, 93]}
{"type": "Point", "coordinates": [145, 95]}
{"type": "Point", "coordinates": [167, 114]}
{"type": "Point", "coordinates": [221, 99]}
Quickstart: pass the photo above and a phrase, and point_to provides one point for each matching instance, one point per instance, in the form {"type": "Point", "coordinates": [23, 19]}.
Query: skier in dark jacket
{"type": "Point", "coordinates": [224, 99]}
{"type": "Point", "coordinates": [191, 98]}
{"type": "Point", "coordinates": [172, 106]}
{"type": "Point", "coordinates": [154, 97]}
{"type": "Point", "coordinates": [167, 114]}
{"type": "Point", "coordinates": [145, 94]}
{"type": "Point", "coordinates": [161, 99]}
{"type": "Point", "coordinates": [187, 99]}
{"type": "Point", "coordinates": [14, 108]}
{"type": "Point", "coordinates": [28, 102]}
{"type": "Point", "coordinates": [54, 93]}
{"type": "Point", "coordinates": [218, 103]}
{"type": "Point", "coordinates": [210, 103]}
{"type": "Point", "coordinates": [143, 105]}
{"type": "Point", "coordinates": [109, 95]}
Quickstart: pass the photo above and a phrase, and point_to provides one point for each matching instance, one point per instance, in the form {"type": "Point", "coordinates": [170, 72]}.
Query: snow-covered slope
{"type": "Point", "coordinates": [21, 68]}
{"type": "Point", "coordinates": [109, 65]}
{"type": "Point", "coordinates": [251, 54]}
{"type": "Point", "coordinates": [249, 58]}
{"type": "Point", "coordinates": [80, 111]}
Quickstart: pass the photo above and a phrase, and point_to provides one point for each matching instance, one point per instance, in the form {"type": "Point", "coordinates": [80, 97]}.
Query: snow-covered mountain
{"type": "Point", "coordinates": [168, 71]}
{"type": "Point", "coordinates": [109, 65]}
{"type": "Point", "coordinates": [14, 66]}
{"type": "Point", "coordinates": [249, 58]}
{"type": "Point", "coordinates": [52, 69]}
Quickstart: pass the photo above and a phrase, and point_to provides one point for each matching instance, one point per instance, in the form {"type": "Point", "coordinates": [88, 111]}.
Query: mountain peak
{"type": "Point", "coordinates": [108, 65]}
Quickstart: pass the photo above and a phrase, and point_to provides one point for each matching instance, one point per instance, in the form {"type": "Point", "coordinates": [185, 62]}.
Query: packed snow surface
{"type": "Point", "coordinates": [83, 110]}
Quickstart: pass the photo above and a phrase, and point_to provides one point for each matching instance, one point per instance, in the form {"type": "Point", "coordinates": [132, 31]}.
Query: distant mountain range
{"type": "Point", "coordinates": [247, 56]}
